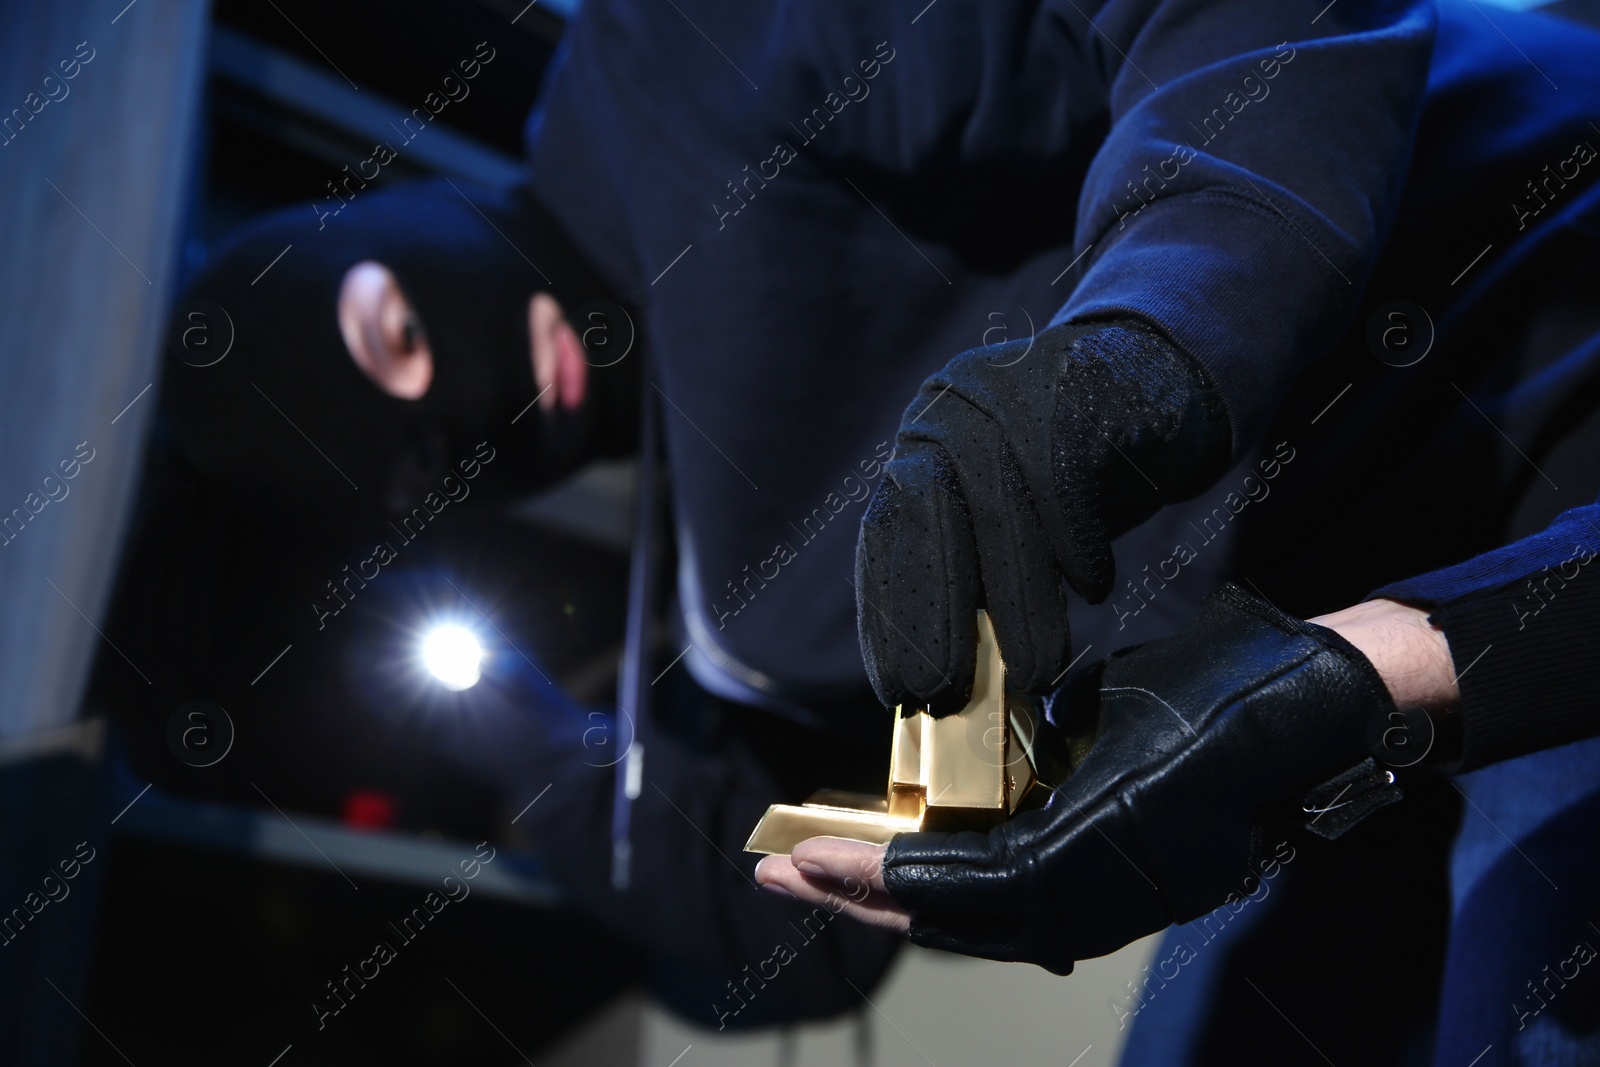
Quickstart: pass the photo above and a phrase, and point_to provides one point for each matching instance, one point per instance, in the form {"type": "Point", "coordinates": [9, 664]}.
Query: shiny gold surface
{"type": "Point", "coordinates": [965, 771]}
{"type": "Point", "coordinates": [786, 825]}
{"type": "Point", "coordinates": [906, 792]}
{"type": "Point", "coordinates": [843, 798]}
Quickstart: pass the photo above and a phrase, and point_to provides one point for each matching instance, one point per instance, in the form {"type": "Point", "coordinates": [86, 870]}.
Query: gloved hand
{"type": "Point", "coordinates": [1192, 737]}
{"type": "Point", "coordinates": [1013, 469]}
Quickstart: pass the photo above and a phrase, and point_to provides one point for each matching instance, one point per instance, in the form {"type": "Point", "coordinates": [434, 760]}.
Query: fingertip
{"type": "Point", "coordinates": [809, 851]}
{"type": "Point", "coordinates": [814, 855]}
{"type": "Point", "coordinates": [768, 870]}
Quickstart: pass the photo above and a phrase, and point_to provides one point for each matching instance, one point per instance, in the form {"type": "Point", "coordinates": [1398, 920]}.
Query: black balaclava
{"type": "Point", "coordinates": [287, 414]}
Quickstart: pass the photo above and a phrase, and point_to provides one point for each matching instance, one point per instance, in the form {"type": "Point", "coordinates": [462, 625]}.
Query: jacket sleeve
{"type": "Point", "coordinates": [1254, 159]}
{"type": "Point", "coordinates": [1523, 623]}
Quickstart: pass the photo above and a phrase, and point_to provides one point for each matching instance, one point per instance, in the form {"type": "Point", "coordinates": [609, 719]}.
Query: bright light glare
{"type": "Point", "coordinates": [453, 656]}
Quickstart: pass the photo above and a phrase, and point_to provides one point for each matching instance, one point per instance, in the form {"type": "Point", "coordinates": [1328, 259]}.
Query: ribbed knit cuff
{"type": "Point", "coordinates": [1527, 659]}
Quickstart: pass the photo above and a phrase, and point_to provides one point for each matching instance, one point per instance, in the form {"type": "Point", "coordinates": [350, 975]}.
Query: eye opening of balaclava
{"type": "Point", "coordinates": [286, 412]}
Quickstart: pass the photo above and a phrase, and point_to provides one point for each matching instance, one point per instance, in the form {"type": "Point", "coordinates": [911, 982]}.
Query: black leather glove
{"type": "Point", "coordinates": [1013, 469]}
{"type": "Point", "coordinates": [1193, 736]}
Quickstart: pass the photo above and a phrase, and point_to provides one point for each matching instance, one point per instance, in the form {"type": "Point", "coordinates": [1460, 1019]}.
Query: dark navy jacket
{"type": "Point", "coordinates": [821, 203]}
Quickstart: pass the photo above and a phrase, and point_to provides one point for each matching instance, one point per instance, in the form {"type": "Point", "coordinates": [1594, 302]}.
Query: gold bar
{"type": "Point", "coordinates": [908, 794]}
{"type": "Point", "coordinates": [966, 771]}
{"type": "Point", "coordinates": [786, 825]}
{"type": "Point", "coordinates": [965, 764]}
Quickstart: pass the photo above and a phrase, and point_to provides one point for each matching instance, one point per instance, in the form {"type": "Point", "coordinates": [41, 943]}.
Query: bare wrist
{"type": "Point", "coordinates": [1409, 653]}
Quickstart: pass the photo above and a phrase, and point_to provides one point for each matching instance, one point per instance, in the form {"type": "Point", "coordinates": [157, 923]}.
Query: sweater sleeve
{"type": "Point", "coordinates": [1523, 623]}
{"type": "Point", "coordinates": [1253, 164]}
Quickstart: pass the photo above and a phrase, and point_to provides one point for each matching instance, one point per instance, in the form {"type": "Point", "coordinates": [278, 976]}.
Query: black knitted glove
{"type": "Point", "coordinates": [1013, 469]}
{"type": "Point", "coordinates": [1193, 736]}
